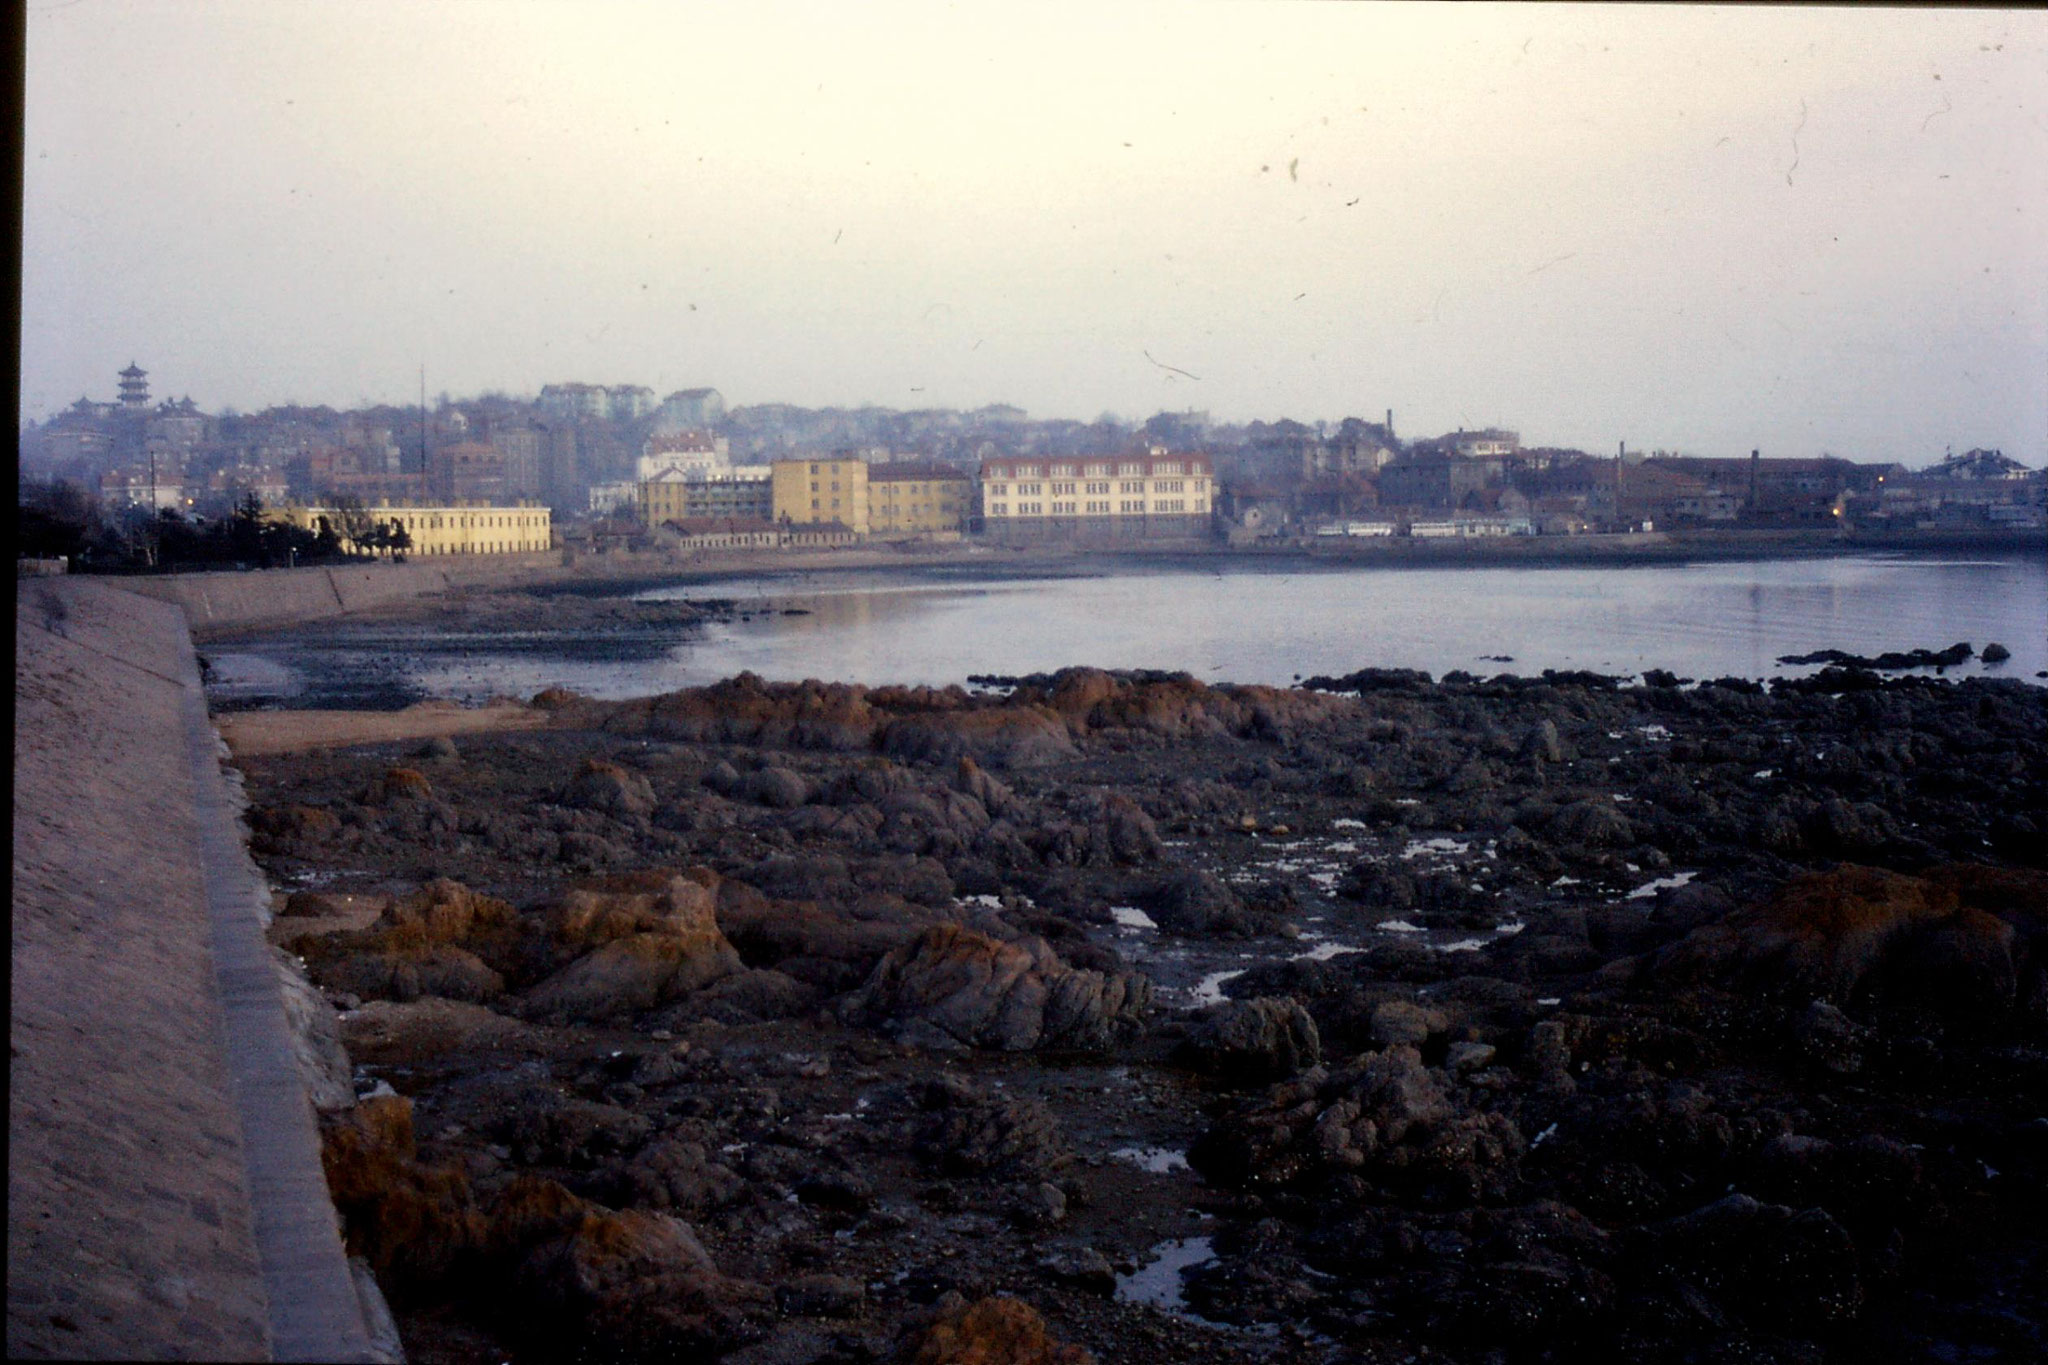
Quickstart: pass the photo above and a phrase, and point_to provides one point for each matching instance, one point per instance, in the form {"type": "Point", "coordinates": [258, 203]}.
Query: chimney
{"type": "Point", "coordinates": [1390, 424]}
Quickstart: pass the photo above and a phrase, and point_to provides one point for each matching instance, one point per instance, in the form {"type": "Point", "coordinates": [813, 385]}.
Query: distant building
{"type": "Point", "coordinates": [447, 530]}
{"type": "Point", "coordinates": [681, 452]}
{"type": "Point", "coordinates": [1486, 443]}
{"type": "Point", "coordinates": [817, 491]}
{"type": "Point", "coordinates": [467, 471]}
{"type": "Point", "coordinates": [1120, 497]}
{"type": "Point", "coordinates": [737, 492]}
{"type": "Point", "coordinates": [135, 389]}
{"type": "Point", "coordinates": [1980, 464]}
{"type": "Point", "coordinates": [612, 496]}
{"type": "Point", "coordinates": [701, 408]}
{"type": "Point", "coordinates": [907, 498]}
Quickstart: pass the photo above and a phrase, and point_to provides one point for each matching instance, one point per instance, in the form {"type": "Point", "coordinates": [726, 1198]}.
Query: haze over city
{"type": "Point", "coordinates": [1696, 228]}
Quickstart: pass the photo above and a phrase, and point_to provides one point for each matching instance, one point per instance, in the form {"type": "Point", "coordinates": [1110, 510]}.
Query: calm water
{"type": "Point", "coordinates": [1241, 623]}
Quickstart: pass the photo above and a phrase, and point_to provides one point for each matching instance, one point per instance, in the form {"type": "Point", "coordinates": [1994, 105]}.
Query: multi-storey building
{"type": "Point", "coordinates": [1153, 496]}
{"type": "Point", "coordinates": [743, 492]}
{"type": "Point", "coordinates": [812, 491]}
{"type": "Point", "coordinates": [907, 498]}
{"type": "Point", "coordinates": [449, 530]}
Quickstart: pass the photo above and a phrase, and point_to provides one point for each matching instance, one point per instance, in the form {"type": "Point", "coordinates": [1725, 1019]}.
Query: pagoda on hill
{"type": "Point", "coordinates": [134, 389]}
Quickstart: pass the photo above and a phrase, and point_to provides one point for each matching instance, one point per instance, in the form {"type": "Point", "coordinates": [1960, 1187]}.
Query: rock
{"type": "Point", "coordinates": [439, 749]}
{"type": "Point", "coordinates": [977, 991]}
{"type": "Point", "coordinates": [967, 1132]}
{"type": "Point", "coordinates": [1121, 833]}
{"type": "Point", "coordinates": [399, 786]}
{"type": "Point", "coordinates": [1591, 825]}
{"type": "Point", "coordinates": [413, 1223]}
{"type": "Point", "coordinates": [315, 1035]}
{"type": "Point", "coordinates": [1194, 903]}
{"type": "Point", "coordinates": [638, 1283]}
{"type": "Point", "coordinates": [1464, 1058]}
{"type": "Point", "coordinates": [1006, 737]}
{"type": "Point", "coordinates": [993, 1331]}
{"type": "Point", "coordinates": [1542, 744]}
{"type": "Point", "coordinates": [610, 789]}
{"type": "Point", "coordinates": [1084, 1268]}
{"type": "Point", "coordinates": [754, 996]}
{"type": "Point", "coordinates": [821, 1296]}
{"type": "Point", "coordinates": [1830, 1039]}
{"type": "Point", "coordinates": [1403, 1022]}
{"type": "Point", "coordinates": [1254, 1041]}
{"type": "Point", "coordinates": [971, 779]}
{"type": "Point", "coordinates": [1788, 1270]}
{"type": "Point", "coordinates": [408, 1031]}
{"type": "Point", "coordinates": [776, 788]}
{"type": "Point", "coordinates": [1941, 942]}
{"type": "Point", "coordinates": [671, 1173]}
{"type": "Point", "coordinates": [656, 937]}
{"type": "Point", "coordinates": [1387, 1118]}
{"type": "Point", "coordinates": [1040, 1206]}
{"type": "Point", "coordinates": [1995, 653]}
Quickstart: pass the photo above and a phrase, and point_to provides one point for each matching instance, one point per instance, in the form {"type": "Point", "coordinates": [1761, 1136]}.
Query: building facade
{"type": "Point", "coordinates": [908, 499]}
{"type": "Point", "coordinates": [1150, 496]}
{"type": "Point", "coordinates": [739, 492]}
{"type": "Point", "coordinates": [451, 530]}
{"type": "Point", "coordinates": [816, 491]}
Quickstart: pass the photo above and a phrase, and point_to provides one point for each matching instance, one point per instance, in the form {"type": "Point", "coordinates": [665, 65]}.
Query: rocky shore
{"type": "Point", "coordinates": [1118, 1015]}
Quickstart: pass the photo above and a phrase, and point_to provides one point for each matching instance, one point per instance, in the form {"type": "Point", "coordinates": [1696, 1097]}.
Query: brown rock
{"type": "Point", "coordinates": [993, 1331]}
{"type": "Point", "coordinates": [413, 1223]}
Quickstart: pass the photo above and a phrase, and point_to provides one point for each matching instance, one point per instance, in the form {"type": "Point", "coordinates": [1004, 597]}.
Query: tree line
{"type": "Point", "coordinates": [61, 520]}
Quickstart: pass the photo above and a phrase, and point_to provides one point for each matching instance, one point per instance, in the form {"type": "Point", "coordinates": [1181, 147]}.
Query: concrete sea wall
{"type": "Point", "coordinates": [165, 1195]}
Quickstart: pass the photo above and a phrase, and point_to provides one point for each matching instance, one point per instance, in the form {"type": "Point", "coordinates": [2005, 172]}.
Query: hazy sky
{"type": "Point", "coordinates": [1681, 227]}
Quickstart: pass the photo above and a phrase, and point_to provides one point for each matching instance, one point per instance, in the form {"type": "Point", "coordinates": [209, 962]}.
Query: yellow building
{"type": "Point", "coordinates": [452, 530]}
{"type": "Point", "coordinates": [821, 490]}
{"type": "Point", "coordinates": [912, 499]}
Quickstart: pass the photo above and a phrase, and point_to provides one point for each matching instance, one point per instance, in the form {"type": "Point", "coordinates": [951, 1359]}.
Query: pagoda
{"type": "Point", "coordinates": [134, 389]}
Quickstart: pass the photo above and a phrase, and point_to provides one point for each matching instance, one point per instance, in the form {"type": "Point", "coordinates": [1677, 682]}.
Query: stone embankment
{"type": "Point", "coordinates": [165, 1197]}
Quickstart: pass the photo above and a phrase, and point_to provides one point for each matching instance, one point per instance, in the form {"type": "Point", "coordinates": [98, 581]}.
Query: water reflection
{"type": "Point", "coordinates": [1245, 623]}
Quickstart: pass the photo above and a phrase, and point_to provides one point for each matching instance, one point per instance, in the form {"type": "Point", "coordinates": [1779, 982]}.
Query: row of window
{"type": "Point", "coordinates": [1031, 490]}
{"type": "Point", "coordinates": [1127, 507]}
{"type": "Point", "coordinates": [1124, 469]}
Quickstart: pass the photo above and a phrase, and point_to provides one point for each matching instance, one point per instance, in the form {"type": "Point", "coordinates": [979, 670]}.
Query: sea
{"type": "Point", "coordinates": [1220, 620]}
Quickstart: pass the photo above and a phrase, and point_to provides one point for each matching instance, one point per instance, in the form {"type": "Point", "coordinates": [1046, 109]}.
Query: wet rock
{"type": "Point", "coordinates": [655, 937]}
{"type": "Point", "coordinates": [1084, 1268]}
{"type": "Point", "coordinates": [1387, 1118]}
{"type": "Point", "coordinates": [753, 996]}
{"type": "Point", "coordinates": [992, 1331]}
{"type": "Point", "coordinates": [413, 1223]}
{"type": "Point", "coordinates": [1397, 1023]}
{"type": "Point", "coordinates": [610, 789]}
{"type": "Point", "coordinates": [1995, 653]}
{"type": "Point", "coordinates": [971, 779]}
{"type": "Point", "coordinates": [1253, 1041]}
{"type": "Point", "coordinates": [399, 786]}
{"type": "Point", "coordinates": [1002, 737]}
{"type": "Point", "coordinates": [1830, 1039]}
{"type": "Point", "coordinates": [1864, 933]}
{"type": "Point", "coordinates": [639, 1283]}
{"type": "Point", "coordinates": [1542, 744]}
{"type": "Point", "coordinates": [821, 1296]}
{"type": "Point", "coordinates": [672, 1173]}
{"type": "Point", "coordinates": [1780, 1267]}
{"type": "Point", "coordinates": [776, 788]}
{"type": "Point", "coordinates": [1196, 903]}
{"type": "Point", "coordinates": [548, 1129]}
{"type": "Point", "coordinates": [967, 1131]}
{"type": "Point", "coordinates": [953, 986]}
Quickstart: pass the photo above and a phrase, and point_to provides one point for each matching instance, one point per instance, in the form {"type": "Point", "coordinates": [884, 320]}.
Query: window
{"type": "Point", "coordinates": [1098, 471]}
{"type": "Point", "coordinates": [1130, 505]}
{"type": "Point", "coordinates": [1132, 486]}
{"type": "Point", "coordinates": [1063, 509]}
{"type": "Point", "coordinates": [1098, 488]}
{"type": "Point", "coordinates": [814, 470]}
{"type": "Point", "coordinates": [1060, 488]}
{"type": "Point", "coordinates": [997, 509]}
{"type": "Point", "coordinates": [1097, 508]}
{"type": "Point", "coordinates": [1129, 469]}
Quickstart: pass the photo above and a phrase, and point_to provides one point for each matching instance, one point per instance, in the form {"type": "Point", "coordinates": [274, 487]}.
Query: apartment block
{"type": "Point", "coordinates": [1153, 496]}
{"type": "Point", "coordinates": [817, 491]}
{"type": "Point", "coordinates": [908, 498]}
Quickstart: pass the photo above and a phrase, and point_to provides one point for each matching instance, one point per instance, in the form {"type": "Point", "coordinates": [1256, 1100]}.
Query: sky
{"type": "Point", "coordinates": [1683, 227]}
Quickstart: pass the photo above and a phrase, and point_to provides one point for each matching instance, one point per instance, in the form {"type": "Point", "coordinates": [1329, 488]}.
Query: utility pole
{"type": "Point", "coordinates": [423, 432]}
{"type": "Point", "coordinates": [155, 527]}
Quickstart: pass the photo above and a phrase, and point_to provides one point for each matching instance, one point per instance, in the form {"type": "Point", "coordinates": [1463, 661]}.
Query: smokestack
{"type": "Point", "coordinates": [1390, 424]}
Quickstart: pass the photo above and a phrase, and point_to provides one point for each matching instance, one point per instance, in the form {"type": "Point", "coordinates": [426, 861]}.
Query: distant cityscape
{"type": "Point", "coordinates": [618, 463]}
